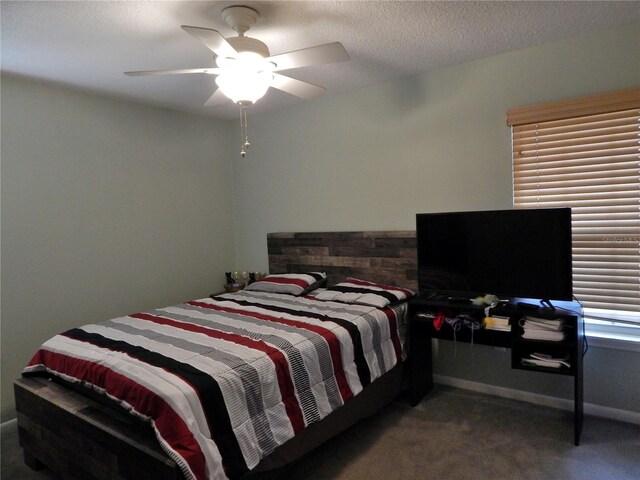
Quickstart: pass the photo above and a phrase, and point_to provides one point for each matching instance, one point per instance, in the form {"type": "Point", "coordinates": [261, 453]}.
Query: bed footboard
{"type": "Point", "coordinates": [78, 438]}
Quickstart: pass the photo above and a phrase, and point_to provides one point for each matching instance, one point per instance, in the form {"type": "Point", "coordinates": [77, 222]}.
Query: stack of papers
{"type": "Point", "coordinates": [542, 329]}
{"type": "Point", "coordinates": [497, 323]}
{"type": "Point", "coordinates": [542, 360]}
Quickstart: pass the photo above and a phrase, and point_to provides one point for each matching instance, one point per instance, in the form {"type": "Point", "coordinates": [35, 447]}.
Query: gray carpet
{"type": "Point", "coordinates": [452, 434]}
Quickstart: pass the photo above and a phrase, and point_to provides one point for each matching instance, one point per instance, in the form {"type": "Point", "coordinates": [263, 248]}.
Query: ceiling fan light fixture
{"type": "Point", "coordinates": [243, 88]}
{"type": "Point", "coordinates": [246, 78]}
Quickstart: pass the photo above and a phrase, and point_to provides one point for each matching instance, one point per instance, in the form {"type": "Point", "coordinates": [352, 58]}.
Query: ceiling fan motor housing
{"type": "Point", "coordinates": [240, 18]}
{"type": "Point", "coordinates": [248, 44]}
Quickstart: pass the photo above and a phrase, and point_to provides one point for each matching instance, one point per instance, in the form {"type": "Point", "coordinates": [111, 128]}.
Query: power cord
{"type": "Point", "coordinates": [585, 341]}
{"type": "Point", "coordinates": [459, 321]}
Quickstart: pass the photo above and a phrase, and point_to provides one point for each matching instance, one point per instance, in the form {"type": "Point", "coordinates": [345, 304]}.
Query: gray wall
{"type": "Point", "coordinates": [107, 208]}
{"type": "Point", "coordinates": [372, 158]}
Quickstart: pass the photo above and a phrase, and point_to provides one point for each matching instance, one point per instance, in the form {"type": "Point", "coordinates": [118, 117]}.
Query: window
{"type": "Point", "coordinates": [584, 153]}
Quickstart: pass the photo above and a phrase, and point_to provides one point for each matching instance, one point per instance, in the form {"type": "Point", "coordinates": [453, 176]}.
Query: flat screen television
{"type": "Point", "coordinates": [524, 253]}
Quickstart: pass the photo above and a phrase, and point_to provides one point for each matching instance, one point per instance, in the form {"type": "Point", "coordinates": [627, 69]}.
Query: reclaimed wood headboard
{"type": "Point", "coordinates": [385, 256]}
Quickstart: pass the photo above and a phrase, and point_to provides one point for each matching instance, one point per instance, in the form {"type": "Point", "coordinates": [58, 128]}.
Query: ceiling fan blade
{"type": "Point", "coordinates": [328, 53]}
{"type": "Point", "coordinates": [212, 39]}
{"type": "Point", "coordinates": [296, 87]}
{"type": "Point", "coordinates": [218, 98]}
{"type": "Point", "coordinates": [212, 71]}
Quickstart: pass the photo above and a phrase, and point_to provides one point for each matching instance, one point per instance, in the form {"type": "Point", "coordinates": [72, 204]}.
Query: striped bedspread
{"type": "Point", "coordinates": [226, 380]}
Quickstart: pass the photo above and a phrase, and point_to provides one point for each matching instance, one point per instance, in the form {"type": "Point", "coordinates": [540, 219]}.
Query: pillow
{"type": "Point", "coordinates": [290, 283]}
{"type": "Point", "coordinates": [361, 292]}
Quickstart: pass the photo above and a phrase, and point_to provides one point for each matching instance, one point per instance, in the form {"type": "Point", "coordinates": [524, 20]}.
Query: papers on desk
{"type": "Point", "coordinates": [542, 329]}
{"type": "Point", "coordinates": [542, 360]}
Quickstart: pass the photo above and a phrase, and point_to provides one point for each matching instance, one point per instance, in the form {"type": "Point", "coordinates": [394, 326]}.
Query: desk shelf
{"type": "Point", "coordinates": [422, 330]}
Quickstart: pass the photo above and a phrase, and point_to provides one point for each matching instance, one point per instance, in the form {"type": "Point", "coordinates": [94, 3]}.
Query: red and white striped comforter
{"type": "Point", "coordinates": [224, 381]}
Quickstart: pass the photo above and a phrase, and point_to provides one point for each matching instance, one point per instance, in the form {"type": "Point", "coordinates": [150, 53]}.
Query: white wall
{"type": "Point", "coordinates": [107, 208]}
{"type": "Point", "coordinates": [371, 159]}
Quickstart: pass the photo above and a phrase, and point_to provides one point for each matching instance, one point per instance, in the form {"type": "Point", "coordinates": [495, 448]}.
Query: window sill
{"type": "Point", "coordinates": [610, 335]}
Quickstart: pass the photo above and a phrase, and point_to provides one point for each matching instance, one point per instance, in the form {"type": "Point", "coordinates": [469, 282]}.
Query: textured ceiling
{"type": "Point", "coordinates": [87, 45]}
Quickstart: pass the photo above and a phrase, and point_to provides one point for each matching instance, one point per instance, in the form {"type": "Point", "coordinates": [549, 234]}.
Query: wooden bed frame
{"type": "Point", "coordinates": [81, 437]}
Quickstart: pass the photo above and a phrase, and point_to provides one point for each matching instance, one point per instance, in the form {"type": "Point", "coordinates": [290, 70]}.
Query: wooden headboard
{"type": "Point", "coordinates": [385, 257]}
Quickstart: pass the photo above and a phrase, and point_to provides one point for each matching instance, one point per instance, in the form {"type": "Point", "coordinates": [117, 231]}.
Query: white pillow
{"type": "Point", "coordinates": [289, 283]}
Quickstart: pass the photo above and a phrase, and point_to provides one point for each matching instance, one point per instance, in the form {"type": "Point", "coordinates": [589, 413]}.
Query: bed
{"type": "Point", "coordinates": [336, 357]}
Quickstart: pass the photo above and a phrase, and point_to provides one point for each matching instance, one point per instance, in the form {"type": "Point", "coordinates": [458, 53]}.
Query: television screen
{"type": "Point", "coordinates": [509, 253]}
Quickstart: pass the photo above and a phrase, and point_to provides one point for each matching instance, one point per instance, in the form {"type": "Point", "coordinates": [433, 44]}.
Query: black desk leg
{"type": "Point", "coordinates": [578, 411]}
{"type": "Point", "coordinates": [420, 361]}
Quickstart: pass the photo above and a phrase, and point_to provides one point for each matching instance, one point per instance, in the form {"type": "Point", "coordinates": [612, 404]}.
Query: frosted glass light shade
{"type": "Point", "coordinates": [244, 88]}
{"type": "Point", "coordinates": [244, 79]}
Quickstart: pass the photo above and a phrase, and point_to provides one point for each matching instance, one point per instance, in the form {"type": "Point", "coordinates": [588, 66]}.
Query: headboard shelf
{"type": "Point", "coordinates": [379, 256]}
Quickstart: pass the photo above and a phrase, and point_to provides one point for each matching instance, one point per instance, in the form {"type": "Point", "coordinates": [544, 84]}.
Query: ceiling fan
{"type": "Point", "coordinates": [245, 68]}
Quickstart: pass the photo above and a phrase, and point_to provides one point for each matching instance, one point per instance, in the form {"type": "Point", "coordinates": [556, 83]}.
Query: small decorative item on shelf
{"type": "Point", "coordinates": [237, 280]}
{"type": "Point", "coordinates": [233, 285]}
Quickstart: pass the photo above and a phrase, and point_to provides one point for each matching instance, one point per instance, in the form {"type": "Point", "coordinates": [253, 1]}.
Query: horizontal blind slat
{"type": "Point", "coordinates": [619, 130]}
{"type": "Point", "coordinates": [605, 155]}
{"type": "Point", "coordinates": [583, 124]}
{"type": "Point", "coordinates": [578, 174]}
{"type": "Point", "coordinates": [625, 184]}
{"type": "Point", "coordinates": [576, 197]}
{"type": "Point", "coordinates": [532, 203]}
{"type": "Point", "coordinates": [583, 163]}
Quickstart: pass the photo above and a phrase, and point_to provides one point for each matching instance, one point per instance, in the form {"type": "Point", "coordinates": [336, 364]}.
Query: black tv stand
{"type": "Point", "coordinates": [525, 351]}
{"type": "Point", "coordinates": [434, 296]}
{"type": "Point", "coordinates": [458, 301]}
{"type": "Point", "coordinates": [528, 306]}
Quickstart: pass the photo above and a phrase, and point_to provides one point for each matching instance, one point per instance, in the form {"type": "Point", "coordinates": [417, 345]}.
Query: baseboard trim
{"type": "Point", "coordinates": [538, 399]}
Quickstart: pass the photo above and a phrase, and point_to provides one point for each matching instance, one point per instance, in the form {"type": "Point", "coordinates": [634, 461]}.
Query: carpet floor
{"type": "Point", "coordinates": [452, 434]}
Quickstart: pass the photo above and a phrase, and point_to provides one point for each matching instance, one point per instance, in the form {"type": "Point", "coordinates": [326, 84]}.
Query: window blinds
{"type": "Point", "coordinates": [585, 154]}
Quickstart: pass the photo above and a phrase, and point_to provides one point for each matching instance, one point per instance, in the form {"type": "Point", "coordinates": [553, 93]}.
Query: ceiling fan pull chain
{"type": "Point", "coordinates": [244, 138]}
{"type": "Point", "coordinates": [246, 129]}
